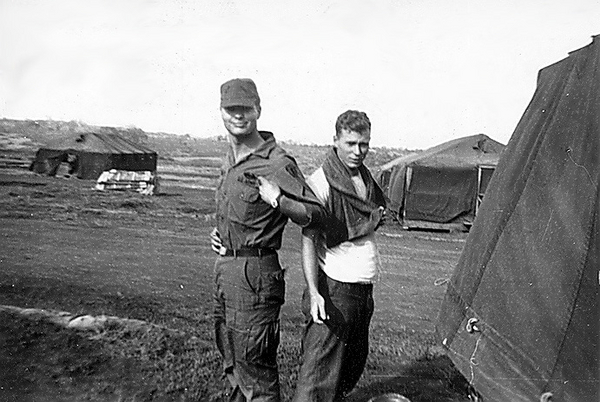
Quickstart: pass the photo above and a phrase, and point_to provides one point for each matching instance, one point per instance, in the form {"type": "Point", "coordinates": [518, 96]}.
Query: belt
{"type": "Point", "coordinates": [247, 252]}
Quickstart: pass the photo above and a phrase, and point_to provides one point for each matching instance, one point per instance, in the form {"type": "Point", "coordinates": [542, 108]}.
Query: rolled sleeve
{"type": "Point", "coordinates": [303, 214]}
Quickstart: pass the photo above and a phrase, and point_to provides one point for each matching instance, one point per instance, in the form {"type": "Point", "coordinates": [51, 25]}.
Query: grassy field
{"type": "Point", "coordinates": [68, 248]}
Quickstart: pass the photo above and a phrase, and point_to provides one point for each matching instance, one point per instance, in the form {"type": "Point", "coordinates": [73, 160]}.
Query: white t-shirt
{"type": "Point", "coordinates": [353, 261]}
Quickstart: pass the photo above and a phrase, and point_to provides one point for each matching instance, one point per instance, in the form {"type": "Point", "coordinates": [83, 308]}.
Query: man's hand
{"type": "Point", "coordinates": [317, 309]}
{"type": "Point", "coordinates": [215, 240]}
{"type": "Point", "coordinates": [268, 190]}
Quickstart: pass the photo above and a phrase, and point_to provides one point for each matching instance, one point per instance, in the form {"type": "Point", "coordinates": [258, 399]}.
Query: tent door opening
{"type": "Point", "coordinates": [484, 175]}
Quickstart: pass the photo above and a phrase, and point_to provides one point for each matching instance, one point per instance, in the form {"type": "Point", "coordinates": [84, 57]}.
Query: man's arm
{"type": "Point", "coordinates": [301, 213]}
{"type": "Point", "coordinates": [310, 265]}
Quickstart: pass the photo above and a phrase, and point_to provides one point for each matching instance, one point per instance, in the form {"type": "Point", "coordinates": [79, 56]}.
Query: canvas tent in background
{"type": "Point", "coordinates": [442, 186]}
{"type": "Point", "coordinates": [520, 315]}
{"type": "Point", "coordinates": [89, 154]}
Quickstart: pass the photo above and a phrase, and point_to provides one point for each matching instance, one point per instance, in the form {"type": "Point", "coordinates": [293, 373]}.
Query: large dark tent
{"type": "Point", "coordinates": [520, 316]}
{"type": "Point", "coordinates": [89, 154]}
{"type": "Point", "coordinates": [443, 185]}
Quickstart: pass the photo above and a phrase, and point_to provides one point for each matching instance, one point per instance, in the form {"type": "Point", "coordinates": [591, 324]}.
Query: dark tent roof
{"type": "Point", "coordinates": [473, 150]}
{"type": "Point", "coordinates": [93, 153]}
{"type": "Point", "coordinates": [98, 143]}
{"type": "Point", "coordinates": [444, 180]}
{"type": "Point", "coordinates": [520, 317]}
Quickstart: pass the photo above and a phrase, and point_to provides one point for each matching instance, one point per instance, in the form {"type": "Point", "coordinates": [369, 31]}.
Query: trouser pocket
{"type": "Point", "coordinates": [266, 279]}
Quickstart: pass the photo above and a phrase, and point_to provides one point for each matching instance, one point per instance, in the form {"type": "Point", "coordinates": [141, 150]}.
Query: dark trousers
{"type": "Point", "coordinates": [334, 354]}
{"type": "Point", "coordinates": [248, 296]}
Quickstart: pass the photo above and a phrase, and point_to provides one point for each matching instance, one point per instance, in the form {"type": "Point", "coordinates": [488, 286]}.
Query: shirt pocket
{"type": "Point", "coordinates": [245, 205]}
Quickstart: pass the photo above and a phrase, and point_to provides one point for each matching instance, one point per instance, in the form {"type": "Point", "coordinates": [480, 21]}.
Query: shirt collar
{"type": "Point", "coordinates": [266, 147]}
{"type": "Point", "coordinates": [263, 150]}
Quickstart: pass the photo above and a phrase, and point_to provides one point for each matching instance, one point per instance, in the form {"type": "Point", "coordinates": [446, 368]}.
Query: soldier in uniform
{"type": "Point", "coordinates": [260, 189]}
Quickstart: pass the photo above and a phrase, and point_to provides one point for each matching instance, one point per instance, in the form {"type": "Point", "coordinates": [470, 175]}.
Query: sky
{"type": "Point", "coordinates": [424, 71]}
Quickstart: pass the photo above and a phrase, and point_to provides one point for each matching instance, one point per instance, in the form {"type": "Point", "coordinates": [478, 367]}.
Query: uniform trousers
{"type": "Point", "coordinates": [249, 292]}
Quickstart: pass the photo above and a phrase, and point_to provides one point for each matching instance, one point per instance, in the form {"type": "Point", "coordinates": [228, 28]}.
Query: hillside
{"type": "Point", "coordinates": [20, 139]}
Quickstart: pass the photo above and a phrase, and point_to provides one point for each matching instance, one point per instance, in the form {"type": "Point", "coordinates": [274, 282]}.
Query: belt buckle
{"type": "Point", "coordinates": [222, 251]}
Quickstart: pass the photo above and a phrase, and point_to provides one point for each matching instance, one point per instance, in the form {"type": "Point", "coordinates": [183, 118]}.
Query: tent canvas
{"type": "Point", "coordinates": [90, 154]}
{"type": "Point", "coordinates": [440, 185]}
{"type": "Point", "coordinates": [520, 316]}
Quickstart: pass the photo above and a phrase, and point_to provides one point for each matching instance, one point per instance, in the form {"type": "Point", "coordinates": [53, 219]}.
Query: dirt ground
{"type": "Point", "coordinates": [67, 247]}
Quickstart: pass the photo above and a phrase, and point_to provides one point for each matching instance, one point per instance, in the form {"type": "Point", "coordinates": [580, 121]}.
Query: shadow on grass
{"type": "Point", "coordinates": [42, 361]}
{"type": "Point", "coordinates": [61, 295]}
{"type": "Point", "coordinates": [433, 379]}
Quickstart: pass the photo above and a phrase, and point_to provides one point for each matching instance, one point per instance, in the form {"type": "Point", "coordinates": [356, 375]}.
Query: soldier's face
{"type": "Point", "coordinates": [352, 147]}
{"type": "Point", "coordinates": [240, 120]}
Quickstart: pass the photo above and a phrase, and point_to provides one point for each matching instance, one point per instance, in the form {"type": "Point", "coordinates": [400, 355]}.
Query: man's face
{"type": "Point", "coordinates": [240, 120]}
{"type": "Point", "coordinates": [352, 147]}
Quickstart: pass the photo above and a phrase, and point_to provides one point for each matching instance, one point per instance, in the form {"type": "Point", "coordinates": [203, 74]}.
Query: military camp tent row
{"type": "Point", "coordinates": [520, 317]}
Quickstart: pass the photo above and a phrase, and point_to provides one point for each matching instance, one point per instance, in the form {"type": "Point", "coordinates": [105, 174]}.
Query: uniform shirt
{"type": "Point", "coordinates": [352, 261]}
{"type": "Point", "coordinates": [243, 218]}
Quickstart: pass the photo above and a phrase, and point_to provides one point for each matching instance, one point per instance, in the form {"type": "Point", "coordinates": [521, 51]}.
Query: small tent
{"type": "Point", "coordinates": [441, 186]}
{"type": "Point", "coordinates": [89, 154]}
{"type": "Point", "coordinates": [520, 317]}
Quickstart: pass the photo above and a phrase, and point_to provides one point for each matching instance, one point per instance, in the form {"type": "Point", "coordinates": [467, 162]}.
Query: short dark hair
{"type": "Point", "coordinates": [352, 120]}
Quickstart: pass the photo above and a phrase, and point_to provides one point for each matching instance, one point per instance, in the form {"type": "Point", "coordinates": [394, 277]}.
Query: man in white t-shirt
{"type": "Point", "coordinates": [340, 266]}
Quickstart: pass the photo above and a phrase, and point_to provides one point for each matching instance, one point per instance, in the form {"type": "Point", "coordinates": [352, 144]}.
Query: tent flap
{"type": "Point", "coordinates": [440, 195]}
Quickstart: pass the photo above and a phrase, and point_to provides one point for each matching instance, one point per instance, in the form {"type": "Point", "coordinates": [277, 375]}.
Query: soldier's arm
{"type": "Point", "coordinates": [304, 213]}
{"type": "Point", "coordinates": [310, 266]}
